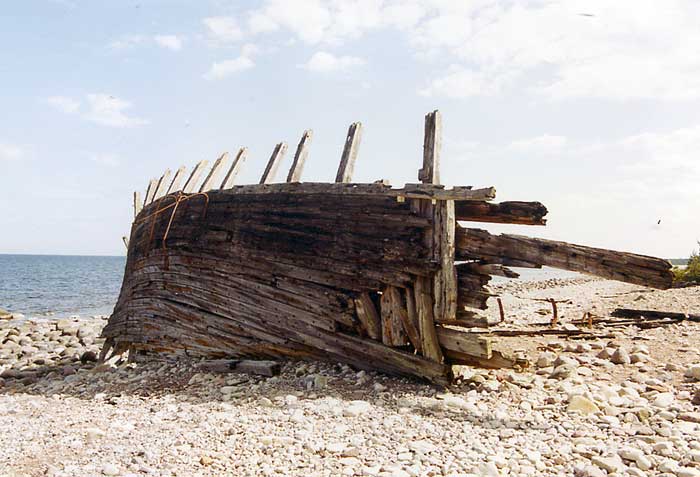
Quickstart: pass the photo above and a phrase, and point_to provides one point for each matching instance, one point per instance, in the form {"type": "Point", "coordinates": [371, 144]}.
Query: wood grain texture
{"type": "Point", "coordinates": [349, 156]}
{"type": "Point", "coordinates": [522, 213]}
{"type": "Point", "coordinates": [177, 180]}
{"type": "Point", "coordinates": [230, 177]}
{"type": "Point", "coordinates": [150, 192]}
{"type": "Point", "coordinates": [192, 181]}
{"type": "Point", "coordinates": [368, 316]}
{"type": "Point", "coordinates": [162, 185]}
{"type": "Point", "coordinates": [273, 164]}
{"type": "Point", "coordinates": [138, 203]}
{"type": "Point", "coordinates": [300, 156]}
{"type": "Point", "coordinates": [214, 172]}
{"type": "Point", "coordinates": [432, 145]}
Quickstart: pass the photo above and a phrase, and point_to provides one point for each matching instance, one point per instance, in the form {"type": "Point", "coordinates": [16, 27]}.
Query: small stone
{"type": "Point", "coordinates": [610, 464]}
{"type": "Point", "coordinates": [690, 417]}
{"type": "Point", "coordinates": [687, 472]}
{"type": "Point", "coordinates": [663, 400]}
{"type": "Point", "coordinates": [693, 372]}
{"type": "Point", "coordinates": [593, 471]}
{"type": "Point", "coordinates": [620, 356]}
{"type": "Point", "coordinates": [356, 408]}
{"type": "Point", "coordinates": [582, 404]}
{"type": "Point", "coordinates": [668, 466]}
{"type": "Point", "coordinates": [110, 469]}
{"type": "Point", "coordinates": [546, 359]}
{"type": "Point", "coordinates": [563, 371]}
{"type": "Point", "coordinates": [88, 357]}
{"type": "Point", "coordinates": [206, 460]}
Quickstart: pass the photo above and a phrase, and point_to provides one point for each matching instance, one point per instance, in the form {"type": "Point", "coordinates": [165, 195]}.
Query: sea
{"type": "Point", "coordinates": [59, 286]}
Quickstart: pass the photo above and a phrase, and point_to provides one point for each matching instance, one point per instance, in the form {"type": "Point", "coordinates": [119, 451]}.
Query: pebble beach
{"type": "Point", "coordinates": [625, 404]}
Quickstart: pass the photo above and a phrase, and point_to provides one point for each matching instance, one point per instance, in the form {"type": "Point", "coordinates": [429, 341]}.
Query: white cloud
{"type": "Point", "coordinates": [64, 104]}
{"type": "Point", "coordinates": [223, 29]}
{"type": "Point", "coordinates": [109, 110]}
{"type": "Point", "coordinates": [110, 160]}
{"type": "Point", "coordinates": [324, 62]}
{"type": "Point", "coordinates": [127, 41]}
{"type": "Point", "coordinates": [462, 83]}
{"type": "Point", "coordinates": [10, 152]}
{"type": "Point", "coordinates": [171, 42]}
{"type": "Point", "coordinates": [544, 143]}
{"type": "Point", "coordinates": [222, 69]}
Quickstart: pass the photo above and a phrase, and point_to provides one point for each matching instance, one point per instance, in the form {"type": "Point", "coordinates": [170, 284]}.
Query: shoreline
{"type": "Point", "coordinates": [619, 405]}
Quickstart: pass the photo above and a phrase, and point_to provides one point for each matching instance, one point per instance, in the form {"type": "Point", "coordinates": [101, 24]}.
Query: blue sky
{"type": "Point", "coordinates": [591, 107]}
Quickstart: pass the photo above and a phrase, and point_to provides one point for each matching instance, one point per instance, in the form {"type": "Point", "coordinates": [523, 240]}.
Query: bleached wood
{"type": "Point", "coordinates": [150, 192]}
{"type": "Point", "coordinates": [392, 323]}
{"type": "Point", "coordinates": [300, 156]}
{"type": "Point", "coordinates": [138, 203]}
{"type": "Point", "coordinates": [432, 144]}
{"type": "Point", "coordinates": [238, 161]}
{"type": "Point", "coordinates": [349, 156]}
{"type": "Point", "coordinates": [191, 184]}
{"type": "Point", "coordinates": [368, 316]}
{"type": "Point", "coordinates": [162, 185]}
{"type": "Point", "coordinates": [214, 172]}
{"type": "Point", "coordinates": [177, 180]}
{"type": "Point", "coordinates": [274, 163]}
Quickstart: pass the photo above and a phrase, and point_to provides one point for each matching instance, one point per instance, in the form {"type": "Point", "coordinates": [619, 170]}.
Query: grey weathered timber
{"type": "Point", "coordinates": [177, 180]}
{"type": "Point", "coordinates": [625, 267]}
{"type": "Point", "coordinates": [138, 203]}
{"type": "Point", "coordinates": [392, 309]}
{"type": "Point", "coordinates": [274, 163]}
{"type": "Point", "coordinates": [300, 156]}
{"type": "Point", "coordinates": [521, 213]}
{"type": "Point", "coordinates": [216, 168]}
{"type": "Point", "coordinates": [238, 161]}
{"type": "Point", "coordinates": [349, 156]}
{"type": "Point", "coordinates": [368, 316]}
{"type": "Point", "coordinates": [191, 183]}
{"type": "Point", "coordinates": [150, 192]}
{"type": "Point", "coordinates": [432, 145]}
{"type": "Point", "coordinates": [162, 185]}
{"type": "Point", "coordinates": [445, 280]}
{"type": "Point", "coordinates": [426, 320]}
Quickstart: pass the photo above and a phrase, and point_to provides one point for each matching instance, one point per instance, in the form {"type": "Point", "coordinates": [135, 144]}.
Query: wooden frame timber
{"type": "Point", "coordinates": [378, 277]}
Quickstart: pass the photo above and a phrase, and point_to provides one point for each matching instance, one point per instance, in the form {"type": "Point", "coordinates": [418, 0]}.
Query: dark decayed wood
{"type": "Point", "coordinates": [349, 156]}
{"type": "Point", "coordinates": [214, 172]}
{"type": "Point", "coordinates": [368, 316]}
{"type": "Point", "coordinates": [523, 213]}
{"type": "Point", "coordinates": [192, 181]}
{"type": "Point", "coordinates": [300, 156]}
{"type": "Point", "coordinates": [274, 163]}
{"type": "Point", "coordinates": [392, 309]}
{"type": "Point", "coordinates": [230, 177]}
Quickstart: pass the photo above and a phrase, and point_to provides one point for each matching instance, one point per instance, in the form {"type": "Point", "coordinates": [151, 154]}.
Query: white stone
{"type": "Point", "coordinates": [663, 400]}
{"type": "Point", "coordinates": [688, 472]}
{"type": "Point", "coordinates": [693, 372]}
{"type": "Point", "coordinates": [610, 464]}
{"type": "Point", "coordinates": [110, 469]}
{"type": "Point", "coordinates": [356, 408]}
{"type": "Point", "coordinates": [582, 404]}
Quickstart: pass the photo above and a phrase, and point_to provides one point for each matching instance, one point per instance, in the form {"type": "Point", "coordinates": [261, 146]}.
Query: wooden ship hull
{"type": "Point", "coordinates": [366, 274]}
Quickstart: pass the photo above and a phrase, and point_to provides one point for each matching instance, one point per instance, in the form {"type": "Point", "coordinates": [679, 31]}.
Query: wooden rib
{"type": "Point", "coordinates": [138, 204]}
{"type": "Point", "coordinates": [162, 184]}
{"type": "Point", "coordinates": [300, 156]}
{"type": "Point", "coordinates": [177, 179]}
{"type": "Point", "coordinates": [347, 160]}
{"type": "Point", "coordinates": [410, 319]}
{"type": "Point", "coordinates": [522, 213]}
{"type": "Point", "coordinates": [150, 192]}
{"type": "Point", "coordinates": [213, 173]}
{"type": "Point", "coordinates": [191, 184]}
{"type": "Point", "coordinates": [432, 143]}
{"type": "Point", "coordinates": [235, 167]}
{"type": "Point", "coordinates": [274, 163]}
{"type": "Point", "coordinates": [391, 311]}
{"type": "Point", "coordinates": [445, 279]}
{"type": "Point", "coordinates": [426, 321]}
{"type": "Point", "coordinates": [368, 316]}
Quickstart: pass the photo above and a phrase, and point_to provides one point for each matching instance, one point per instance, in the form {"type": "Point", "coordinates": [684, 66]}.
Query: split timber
{"type": "Point", "coordinates": [378, 277]}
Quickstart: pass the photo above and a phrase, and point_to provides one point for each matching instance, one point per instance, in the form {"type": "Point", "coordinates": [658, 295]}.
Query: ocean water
{"type": "Point", "coordinates": [60, 285]}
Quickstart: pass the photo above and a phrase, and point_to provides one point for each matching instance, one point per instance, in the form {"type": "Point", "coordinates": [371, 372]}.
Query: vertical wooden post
{"type": "Point", "coordinates": [432, 145]}
{"type": "Point", "coordinates": [347, 160]}
{"type": "Point", "coordinates": [137, 203]}
{"type": "Point", "coordinates": [150, 192]}
{"type": "Point", "coordinates": [162, 184]}
{"type": "Point", "coordinates": [191, 183]}
{"type": "Point", "coordinates": [238, 161]}
{"type": "Point", "coordinates": [213, 173]}
{"type": "Point", "coordinates": [391, 311]}
{"type": "Point", "coordinates": [300, 157]}
{"type": "Point", "coordinates": [274, 163]}
{"type": "Point", "coordinates": [368, 316]}
{"type": "Point", "coordinates": [177, 179]}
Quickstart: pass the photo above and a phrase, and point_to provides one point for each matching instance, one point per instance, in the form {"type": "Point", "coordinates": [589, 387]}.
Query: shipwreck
{"type": "Point", "coordinates": [367, 274]}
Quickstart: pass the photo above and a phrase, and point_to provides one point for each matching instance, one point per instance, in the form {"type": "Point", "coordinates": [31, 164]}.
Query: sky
{"type": "Point", "coordinates": [590, 106]}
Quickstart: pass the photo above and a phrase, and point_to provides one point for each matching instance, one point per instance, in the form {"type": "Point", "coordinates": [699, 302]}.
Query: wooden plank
{"type": "Point", "coordinates": [349, 156]}
{"type": "Point", "coordinates": [445, 279]}
{"type": "Point", "coordinates": [138, 204]}
{"type": "Point", "coordinates": [191, 183]}
{"type": "Point", "coordinates": [514, 212]}
{"type": "Point", "coordinates": [368, 316]}
{"type": "Point", "coordinates": [486, 269]}
{"type": "Point", "coordinates": [214, 172]}
{"type": "Point", "coordinates": [177, 180]}
{"type": "Point", "coordinates": [274, 163]}
{"type": "Point", "coordinates": [426, 321]}
{"type": "Point", "coordinates": [150, 192]}
{"type": "Point", "coordinates": [391, 311]}
{"type": "Point", "coordinates": [300, 156]}
{"type": "Point", "coordinates": [472, 344]}
{"type": "Point", "coordinates": [432, 144]}
{"type": "Point", "coordinates": [478, 244]}
{"type": "Point", "coordinates": [238, 161]}
{"type": "Point", "coordinates": [409, 319]}
{"type": "Point", "coordinates": [161, 187]}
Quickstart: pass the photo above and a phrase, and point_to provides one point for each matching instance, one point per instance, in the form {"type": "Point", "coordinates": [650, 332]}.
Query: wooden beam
{"type": "Point", "coordinates": [409, 318]}
{"type": "Point", "coordinates": [392, 309]}
{"type": "Point", "coordinates": [432, 144]}
{"type": "Point", "coordinates": [426, 321]}
{"type": "Point", "coordinates": [138, 204]}
{"type": "Point", "coordinates": [625, 267]}
{"type": "Point", "coordinates": [368, 316]}
{"type": "Point", "coordinates": [349, 156]}
{"type": "Point", "coordinates": [214, 172]}
{"type": "Point", "coordinates": [274, 163]}
{"type": "Point", "coordinates": [238, 161]}
{"type": "Point", "coordinates": [472, 344]}
{"type": "Point", "coordinates": [161, 187]}
{"type": "Point", "coordinates": [300, 156]}
{"type": "Point", "coordinates": [522, 213]}
{"type": "Point", "coordinates": [150, 191]}
{"type": "Point", "coordinates": [191, 183]}
{"type": "Point", "coordinates": [445, 279]}
{"type": "Point", "coordinates": [177, 180]}
{"type": "Point", "coordinates": [486, 269]}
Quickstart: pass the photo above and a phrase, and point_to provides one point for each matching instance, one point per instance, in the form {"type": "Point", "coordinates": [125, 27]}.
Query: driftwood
{"type": "Point", "coordinates": [365, 274]}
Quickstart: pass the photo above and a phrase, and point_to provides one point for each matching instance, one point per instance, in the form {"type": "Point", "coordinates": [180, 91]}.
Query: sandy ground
{"type": "Point", "coordinates": [627, 404]}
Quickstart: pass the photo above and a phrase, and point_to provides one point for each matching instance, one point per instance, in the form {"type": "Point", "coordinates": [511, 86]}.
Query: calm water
{"type": "Point", "coordinates": [59, 285]}
{"type": "Point", "coordinates": [38, 285]}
